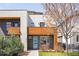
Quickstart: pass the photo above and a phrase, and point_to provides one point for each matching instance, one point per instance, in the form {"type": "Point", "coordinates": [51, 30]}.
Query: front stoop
{"type": "Point", "coordinates": [33, 53]}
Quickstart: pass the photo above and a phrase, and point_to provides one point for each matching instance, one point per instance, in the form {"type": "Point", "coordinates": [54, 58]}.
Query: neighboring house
{"type": "Point", "coordinates": [73, 42]}
{"type": "Point", "coordinates": [30, 26]}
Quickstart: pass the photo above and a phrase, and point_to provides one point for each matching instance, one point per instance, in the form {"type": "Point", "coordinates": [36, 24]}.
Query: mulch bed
{"type": "Point", "coordinates": [23, 54]}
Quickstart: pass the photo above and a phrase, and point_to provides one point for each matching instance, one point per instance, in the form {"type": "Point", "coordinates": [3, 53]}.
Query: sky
{"type": "Point", "coordinates": [28, 6]}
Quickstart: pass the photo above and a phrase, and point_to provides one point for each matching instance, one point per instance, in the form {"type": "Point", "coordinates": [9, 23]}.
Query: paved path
{"type": "Point", "coordinates": [33, 53]}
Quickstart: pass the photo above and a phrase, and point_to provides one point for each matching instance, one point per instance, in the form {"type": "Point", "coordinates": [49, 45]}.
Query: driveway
{"type": "Point", "coordinates": [33, 53]}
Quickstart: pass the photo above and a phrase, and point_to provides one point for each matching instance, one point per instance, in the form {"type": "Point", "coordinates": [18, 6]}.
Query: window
{"type": "Point", "coordinates": [16, 24]}
{"type": "Point", "coordinates": [42, 24]}
{"type": "Point", "coordinates": [8, 24]}
{"type": "Point", "coordinates": [77, 38]}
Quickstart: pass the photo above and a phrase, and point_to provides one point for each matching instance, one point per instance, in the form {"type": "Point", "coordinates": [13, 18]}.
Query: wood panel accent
{"type": "Point", "coordinates": [40, 31]}
{"type": "Point", "coordinates": [14, 31]}
{"type": "Point", "coordinates": [55, 41]}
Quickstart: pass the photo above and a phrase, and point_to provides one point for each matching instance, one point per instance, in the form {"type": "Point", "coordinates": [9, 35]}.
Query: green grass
{"type": "Point", "coordinates": [58, 54]}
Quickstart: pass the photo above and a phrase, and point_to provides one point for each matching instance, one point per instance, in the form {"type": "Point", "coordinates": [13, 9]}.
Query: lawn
{"type": "Point", "coordinates": [58, 54]}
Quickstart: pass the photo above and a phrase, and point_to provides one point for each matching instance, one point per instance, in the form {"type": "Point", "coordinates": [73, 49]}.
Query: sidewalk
{"type": "Point", "coordinates": [33, 53]}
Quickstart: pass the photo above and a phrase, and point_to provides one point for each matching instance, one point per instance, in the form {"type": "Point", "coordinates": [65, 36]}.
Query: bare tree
{"type": "Point", "coordinates": [63, 16]}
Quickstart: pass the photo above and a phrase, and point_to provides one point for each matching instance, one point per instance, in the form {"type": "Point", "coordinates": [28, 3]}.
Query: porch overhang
{"type": "Point", "coordinates": [43, 31]}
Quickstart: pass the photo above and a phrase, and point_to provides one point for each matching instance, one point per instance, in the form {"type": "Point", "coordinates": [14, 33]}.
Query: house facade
{"type": "Point", "coordinates": [29, 26]}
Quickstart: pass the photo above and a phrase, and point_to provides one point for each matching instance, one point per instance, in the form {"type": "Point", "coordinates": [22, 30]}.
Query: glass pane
{"type": "Point", "coordinates": [8, 24]}
{"type": "Point", "coordinates": [35, 42]}
{"type": "Point", "coordinates": [45, 38]}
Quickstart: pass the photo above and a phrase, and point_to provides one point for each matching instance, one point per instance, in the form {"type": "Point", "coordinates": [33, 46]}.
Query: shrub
{"type": "Point", "coordinates": [10, 46]}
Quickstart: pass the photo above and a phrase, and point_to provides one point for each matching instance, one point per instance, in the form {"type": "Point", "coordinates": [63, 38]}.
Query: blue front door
{"type": "Point", "coordinates": [35, 42]}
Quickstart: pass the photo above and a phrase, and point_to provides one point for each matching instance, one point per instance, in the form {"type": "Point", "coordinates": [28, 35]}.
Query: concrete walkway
{"type": "Point", "coordinates": [33, 53]}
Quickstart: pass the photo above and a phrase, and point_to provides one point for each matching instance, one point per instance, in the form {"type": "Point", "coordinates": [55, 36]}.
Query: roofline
{"type": "Point", "coordinates": [13, 10]}
{"type": "Point", "coordinates": [29, 11]}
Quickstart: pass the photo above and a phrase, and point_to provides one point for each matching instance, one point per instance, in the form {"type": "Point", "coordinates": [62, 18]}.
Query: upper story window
{"type": "Point", "coordinates": [9, 24]}
{"type": "Point", "coordinates": [12, 24]}
{"type": "Point", "coordinates": [16, 24]}
{"type": "Point", "coordinates": [42, 24]}
{"type": "Point", "coordinates": [77, 38]}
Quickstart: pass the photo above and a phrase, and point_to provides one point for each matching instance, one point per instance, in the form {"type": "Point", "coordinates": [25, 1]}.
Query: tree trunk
{"type": "Point", "coordinates": [70, 45]}
{"type": "Point", "coordinates": [67, 46]}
